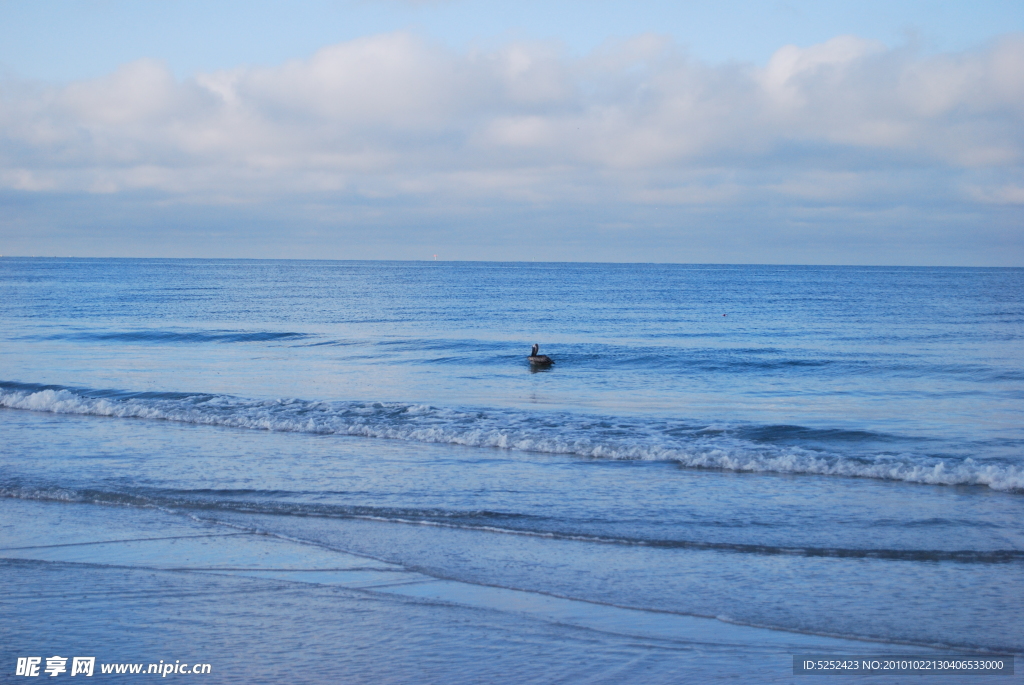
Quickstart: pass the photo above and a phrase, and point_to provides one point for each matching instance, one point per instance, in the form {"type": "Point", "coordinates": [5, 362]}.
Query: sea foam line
{"type": "Point", "coordinates": [511, 431]}
{"type": "Point", "coordinates": [202, 510]}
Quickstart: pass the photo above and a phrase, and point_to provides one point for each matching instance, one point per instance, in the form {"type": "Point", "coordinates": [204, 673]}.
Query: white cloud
{"type": "Point", "coordinates": [636, 122]}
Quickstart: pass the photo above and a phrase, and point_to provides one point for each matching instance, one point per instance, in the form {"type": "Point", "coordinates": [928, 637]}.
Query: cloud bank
{"type": "Point", "coordinates": [848, 141]}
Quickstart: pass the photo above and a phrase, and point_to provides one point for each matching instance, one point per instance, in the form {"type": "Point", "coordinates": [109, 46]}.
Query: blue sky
{"type": "Point", "coordinates": [782, 132]}
{"type": "Point", "coordinates": [74, 39]}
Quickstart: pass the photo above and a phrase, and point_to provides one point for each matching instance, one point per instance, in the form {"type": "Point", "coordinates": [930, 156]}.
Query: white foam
{"type": "Point", "coordinates": [517, 431]}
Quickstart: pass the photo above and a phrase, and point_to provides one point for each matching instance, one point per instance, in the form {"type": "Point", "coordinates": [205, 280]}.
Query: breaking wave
{"type": "Point", "coordinates": [765, 449]}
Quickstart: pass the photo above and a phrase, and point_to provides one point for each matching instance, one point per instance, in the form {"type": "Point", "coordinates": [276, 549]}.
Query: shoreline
{"type": "Point", "coordinates": [123, 540]}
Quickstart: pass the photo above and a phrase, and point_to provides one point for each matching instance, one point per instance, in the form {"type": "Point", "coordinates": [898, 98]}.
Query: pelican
{"type": "Point", "coordinates": [539, 359]}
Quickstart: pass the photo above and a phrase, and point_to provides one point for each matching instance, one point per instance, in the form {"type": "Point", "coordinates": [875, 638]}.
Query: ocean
{"type": "Point", "coordinates": [330, 471]}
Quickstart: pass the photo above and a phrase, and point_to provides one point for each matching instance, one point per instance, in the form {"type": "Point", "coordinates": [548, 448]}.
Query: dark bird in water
{"type": "Point", "coordinates": [539, 359]}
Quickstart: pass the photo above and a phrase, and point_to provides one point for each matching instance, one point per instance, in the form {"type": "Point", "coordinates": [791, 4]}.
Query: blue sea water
{"type": "Point", "coordinates": [832, 452]}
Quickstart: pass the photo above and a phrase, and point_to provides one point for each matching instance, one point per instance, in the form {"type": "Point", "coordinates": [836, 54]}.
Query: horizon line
{"type": "Point", "coordinates": [493, 261]}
